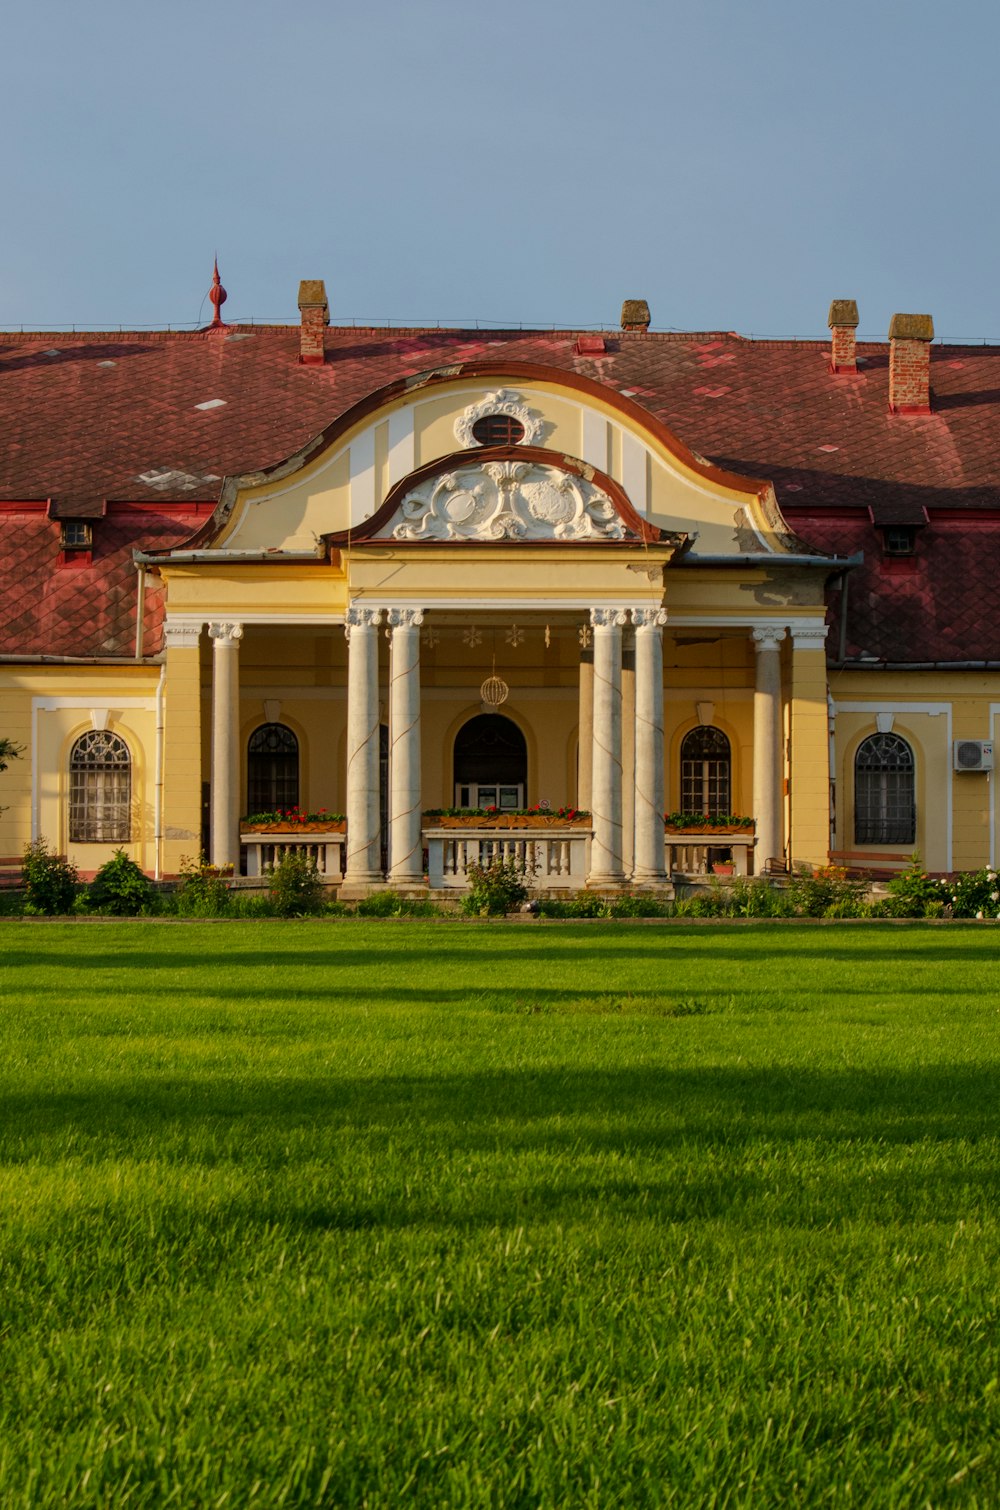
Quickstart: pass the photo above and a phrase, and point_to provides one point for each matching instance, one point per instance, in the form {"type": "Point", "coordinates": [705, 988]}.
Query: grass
{"type": "Point", "coordinates": [347, 1213]}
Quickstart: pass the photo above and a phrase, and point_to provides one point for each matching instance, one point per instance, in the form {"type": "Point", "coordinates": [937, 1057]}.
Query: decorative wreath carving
{"type": "Point", "coordinates": [503, 401]}
{"type": "Point", "coordinates": [507, 500]}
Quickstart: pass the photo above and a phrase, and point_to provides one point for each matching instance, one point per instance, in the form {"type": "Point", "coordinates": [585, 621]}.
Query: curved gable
{"type": "Point", "coordinates": [340, 482]}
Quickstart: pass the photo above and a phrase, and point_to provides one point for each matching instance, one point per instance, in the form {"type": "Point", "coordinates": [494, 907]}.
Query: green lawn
{"type": "Point", "coordinates": [444, 1214]}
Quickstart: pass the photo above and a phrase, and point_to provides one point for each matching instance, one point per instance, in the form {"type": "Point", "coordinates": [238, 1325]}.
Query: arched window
{"type": "Point", "coordinates": [885, 810]}
{"type": "Point", "coordinates": [100, 789]}
{"type": "Point", "coordinates": [706, 772]}
{"type": "Point", "coordinates": [491, 763]}
{"type": "Point", "coordinates": [272, 769]}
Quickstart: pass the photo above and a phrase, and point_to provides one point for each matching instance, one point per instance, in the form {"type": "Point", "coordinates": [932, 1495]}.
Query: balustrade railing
{"type": "Point", "coordinates": [262, 851]}
{"type": "Point", "coordinates": [554, 860]}
{"type": "Point", "coordinates": [689, 856]}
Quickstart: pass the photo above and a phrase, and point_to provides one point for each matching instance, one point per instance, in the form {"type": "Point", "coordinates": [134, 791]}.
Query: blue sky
{"type": "Point", "coordinates": [737, 164]}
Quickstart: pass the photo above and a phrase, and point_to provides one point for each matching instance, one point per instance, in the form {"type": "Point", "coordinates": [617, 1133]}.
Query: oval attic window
{"type": "Point", "coordinates": [498, 430]}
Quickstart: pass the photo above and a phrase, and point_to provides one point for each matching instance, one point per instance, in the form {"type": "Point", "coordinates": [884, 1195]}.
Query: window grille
{"type": "Point", "coordinates": [498, 430]}
{"type": "Point", "coordinates": [272, 769]}
{"type": "Point", "coordinates": [100, 789]}
{"type": "Point", "coordinates": [884, 791]}
{"type": "Point", "coordinates": [706, 772]}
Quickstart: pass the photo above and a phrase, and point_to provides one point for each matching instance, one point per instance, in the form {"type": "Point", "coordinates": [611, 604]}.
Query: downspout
{"type": "Point", "coordinates": [158, 777]}
{"type": "Point", "coordinates": [140, 608]}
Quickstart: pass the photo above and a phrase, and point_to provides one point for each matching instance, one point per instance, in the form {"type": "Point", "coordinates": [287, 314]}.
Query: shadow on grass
{"type": "Point", "coordinates": [746, 944]}
{"type": "Point", "coordinates": [529, 1108]}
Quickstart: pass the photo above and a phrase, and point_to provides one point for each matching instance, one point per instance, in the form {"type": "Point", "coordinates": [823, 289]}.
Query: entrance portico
{"type": "Point", "coordinates": [365, 656]}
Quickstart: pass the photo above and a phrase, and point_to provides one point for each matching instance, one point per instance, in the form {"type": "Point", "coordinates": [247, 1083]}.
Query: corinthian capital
{"type": "Point", "coordinates": [609, 618]}
{"type": "Point", "coordinates": [649, 618]}
{"type": "Point", "coordinates": [405, 618]}
{"type": "Point", "coordinates": [225, 633]}
{"type": "Point", "coordinates": [361, 618]}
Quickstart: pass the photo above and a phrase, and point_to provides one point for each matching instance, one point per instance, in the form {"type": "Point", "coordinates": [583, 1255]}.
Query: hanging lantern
{"type": "Point", "coordinates": [494, 691]}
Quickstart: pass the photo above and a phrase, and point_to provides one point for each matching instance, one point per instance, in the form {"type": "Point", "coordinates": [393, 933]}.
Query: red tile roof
{"type": "Point", "coordinates": [85, 418]}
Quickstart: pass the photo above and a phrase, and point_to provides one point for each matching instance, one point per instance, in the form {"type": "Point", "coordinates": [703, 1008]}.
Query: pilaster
{"type": "Point", "coordinates": [181, 772]}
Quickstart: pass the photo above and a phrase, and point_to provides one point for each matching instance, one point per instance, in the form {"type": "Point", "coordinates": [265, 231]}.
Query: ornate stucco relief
{"type": "Point", "coordinates": [503, 401]}
{"type": "Point", "coordinates": [507, 500]}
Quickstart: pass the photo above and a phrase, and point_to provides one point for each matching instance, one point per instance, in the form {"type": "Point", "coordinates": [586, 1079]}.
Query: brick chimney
{"type": "Point", "coordinates": [910, 364]}
{"type": "Point", "coordinates": [635, 315]}
{"type": "Point", "coordinates": [843, 322]}
{"type": "Point", "coordinates": [315, 318]}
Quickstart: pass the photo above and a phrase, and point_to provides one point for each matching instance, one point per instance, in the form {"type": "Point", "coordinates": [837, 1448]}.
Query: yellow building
{"type": "Point", "coordinates": [381, 573]}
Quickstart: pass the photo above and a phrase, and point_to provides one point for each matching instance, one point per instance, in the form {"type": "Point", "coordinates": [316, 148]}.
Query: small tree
{"type": "Point", "coordinates": [120, 887]}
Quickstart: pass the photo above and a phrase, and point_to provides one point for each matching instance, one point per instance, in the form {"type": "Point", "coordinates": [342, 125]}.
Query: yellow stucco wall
{"type": "Point", "coordinates": [45, 709]}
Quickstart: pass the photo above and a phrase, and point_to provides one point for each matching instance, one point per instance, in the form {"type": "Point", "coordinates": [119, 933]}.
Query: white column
{"type": "Point", "coordinates": [606, 850]}
{"type": "Point", "coordinates": [649, 866]}
{"type": "Point", "coordinates": [585, 750]}
{"type": "Point", "coordinates": [405, 806]}
{"type": "Point", "coordinates": [225, 639]}
{"type": "Point", "coordinates": [628, 753]}
{"type": "Point", "coordinates": [363, 864]}
{"type": "Point", "coordinates": [767, 803]}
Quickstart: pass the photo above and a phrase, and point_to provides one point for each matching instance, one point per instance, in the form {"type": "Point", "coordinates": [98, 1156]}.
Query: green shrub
{"type": "Point", "coordinates": [911, 894]}
{"type": "Point", "coordinates": [751, 897]}
{"type": "Point", "coordinates": [120, 888]}
{"type": "Point", "coordinates": [973, 894]}
{"type": "Point", "coordinates": [294, 886]}
{"type": "Point", "coordinates": [381, 904]}
{"type": "Point", "coordinates": [250, 905]}
{"type": "Point", "coordinates": [586, 904]}
{"type": "Point", "coordinates": [389, 904]}
{"type": "Point", "coordinates": [638, 905]}
{"type": "Point", "coordinates": [49, 881]}
{"type": "Point", "coordinates": [698, 906]}
{"type": "Point", "coordinates": [813, 892]}
{"type": "Point", "coordinates": [499, 887]}
{"type": "Point", "coordinates": [204, 891]}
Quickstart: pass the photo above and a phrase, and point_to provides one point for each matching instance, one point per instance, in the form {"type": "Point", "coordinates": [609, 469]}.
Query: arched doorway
{"type": "Point", "coordinates": [491, 763]}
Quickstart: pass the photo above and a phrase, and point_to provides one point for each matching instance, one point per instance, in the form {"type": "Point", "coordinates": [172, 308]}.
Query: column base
{"type": "Point", "coordinates": [606, 882]}
{"type": "Point", "coordinates": [653, 880]}
{"type": "Point", "coordinates": [360, 884]}
{"type": "Point", "coordinates": [408, 885]}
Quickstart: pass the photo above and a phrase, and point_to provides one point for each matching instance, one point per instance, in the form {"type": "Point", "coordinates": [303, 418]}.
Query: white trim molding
{"type": "Point", "coordinates": [929, 710]}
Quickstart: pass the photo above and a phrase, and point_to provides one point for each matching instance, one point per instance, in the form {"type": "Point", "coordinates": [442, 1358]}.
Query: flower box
{"type": "Point", "coordinates": [328, 826]}
{"type": "Point", "coordinates": [508, 821]}
{"type": "Point", "coordinates": [710, 828]}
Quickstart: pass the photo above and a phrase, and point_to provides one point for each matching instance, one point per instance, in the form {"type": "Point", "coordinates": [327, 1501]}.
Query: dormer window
{"type": "Point", "coordinates": [498, 430]}
{"type": "Point", "coordinates": [77, 535]}
{"type": "Point", "coordinates": [900, 540]}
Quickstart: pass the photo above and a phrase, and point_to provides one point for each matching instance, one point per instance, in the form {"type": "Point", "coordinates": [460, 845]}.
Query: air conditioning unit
{"type": "Point", "coordinates": [973, 755]}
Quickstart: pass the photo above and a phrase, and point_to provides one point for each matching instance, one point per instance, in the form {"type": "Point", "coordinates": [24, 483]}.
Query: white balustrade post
{"type": "Point", "coordinates": [606, 850]}
{"type": "Point", "coordinates": [649, 846]}
{"type": "Point", "coordinates": [405, 807]}
{"type": "Point", "coordinates": [362, 868]}
{"type": "Point", "coordinates": [767, 803]}
{"type": "Point", "coordinates": [225, 823]}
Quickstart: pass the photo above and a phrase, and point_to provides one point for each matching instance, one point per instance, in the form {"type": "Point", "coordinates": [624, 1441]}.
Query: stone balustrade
{"type": "Point", "coordinates": [262, 851]}
{"type": "Point", "coordinates": [555, 859]}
